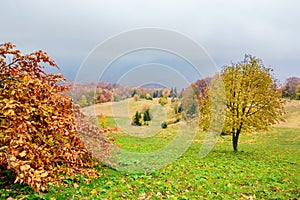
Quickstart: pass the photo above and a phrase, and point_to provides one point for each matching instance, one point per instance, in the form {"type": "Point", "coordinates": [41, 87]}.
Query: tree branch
{"type": "Point", "coordinates": [7, 79]}
{"type": "Point", "coordinates": [10, 64]}
{"type": "Point", "coordinates": [258, 109]}
{"type": "Point", "coordinates": [4, 150]}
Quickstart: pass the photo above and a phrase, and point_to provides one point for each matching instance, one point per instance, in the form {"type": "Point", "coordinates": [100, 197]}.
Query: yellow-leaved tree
{"type": "Point", "coordinates": [252, 99]}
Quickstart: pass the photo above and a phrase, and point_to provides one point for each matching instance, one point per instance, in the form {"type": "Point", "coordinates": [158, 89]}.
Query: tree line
{"type": "Point", "coordinates": [291, 88]}
{"type": "Point", "coordinates": [87, 94]}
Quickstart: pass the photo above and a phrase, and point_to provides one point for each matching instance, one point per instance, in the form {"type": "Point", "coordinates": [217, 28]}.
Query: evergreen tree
{"type": "Point", "coordinates": [180, 108]}
{"type": "Point", "coordinates": [175, 92]}
{"type": "Point", "coordinates": [136, 119]}
{"type": "Point", "coordinates": [181, 93]}
{"type": "Point", "coordinates": [193, 109]}
{"type": "Point", "coordinates": [160, 93]}
{"type": "Point", "coordinates": [171, 92]}
{"type": "Point", "coordinates": [133, 93]}
{"type": "Point", "coordinates": [146, 116]}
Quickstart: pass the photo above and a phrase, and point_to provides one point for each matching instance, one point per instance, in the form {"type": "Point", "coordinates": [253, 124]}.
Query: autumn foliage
{"type": "Point", "coordinates": [291, 88]}
{"type": "Point", "coordinates": [39, 139]}
{"type": "Point", "coordinates": [250, 95]}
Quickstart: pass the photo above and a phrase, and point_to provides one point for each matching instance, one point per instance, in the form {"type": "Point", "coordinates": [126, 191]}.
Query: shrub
{"type": "Point", "coordinates": [103, 122]}
{"type": "Point", "coordinates": [163, 101]}
{"type": "Point", "coordinates": [164, 125]}
{"type": "Point", "coordinates": [39, 139]}
{"type": "Point", "coordinates": [136, 97]}
{"type": "Point", "coordinates": [148, 97]}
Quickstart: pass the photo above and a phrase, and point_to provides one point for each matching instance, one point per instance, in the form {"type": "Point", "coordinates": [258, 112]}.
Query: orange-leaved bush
{"type": "Point", "coordinates": [39, 137]}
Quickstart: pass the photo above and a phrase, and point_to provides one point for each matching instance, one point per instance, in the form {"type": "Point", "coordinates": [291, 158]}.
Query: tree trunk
{"type": "Point", "coordinates": [235, 139]}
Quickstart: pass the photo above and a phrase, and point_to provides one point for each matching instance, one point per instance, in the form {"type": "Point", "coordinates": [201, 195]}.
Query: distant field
{"type": "Point", "coordinates": [120, 114]}
{"type": "Point", "coordinates": [292, 115]}
{"type": "Point", "coordinates": [125, 108]}
{"type": "Point", "coordinates": [123, 111]}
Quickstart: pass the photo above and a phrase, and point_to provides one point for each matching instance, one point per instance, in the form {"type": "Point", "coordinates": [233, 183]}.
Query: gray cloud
{"type": "Point", "coordinates": [69, 30]}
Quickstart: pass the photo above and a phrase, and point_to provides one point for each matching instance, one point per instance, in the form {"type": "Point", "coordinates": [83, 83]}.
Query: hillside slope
{"type": "Point", "coordinates": [292, 115]}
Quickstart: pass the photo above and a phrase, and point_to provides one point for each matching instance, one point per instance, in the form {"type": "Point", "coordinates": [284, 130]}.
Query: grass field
{"type": "Point", "coordinates": [267, 167]}
{"type": "Point", "coordinates": [120, 114]}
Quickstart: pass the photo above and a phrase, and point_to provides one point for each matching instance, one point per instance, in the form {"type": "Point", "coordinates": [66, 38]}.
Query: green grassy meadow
{"type": "Point", "coordinates": [266, 167]}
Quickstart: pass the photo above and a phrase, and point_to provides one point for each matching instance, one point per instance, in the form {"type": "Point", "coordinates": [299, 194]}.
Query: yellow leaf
{"type": "Point", "coordinates": [3, 148]}
{"type": "Point", "coordinates": [43, 175]}
{"type": "Point", "coordinates": [10, 112]}
{"type": "Point", "coordinates": [12, 158]}
{"type": "Point", "coordinates": [94, 192]}
{"type": "Point", "coordinates": [24, 167]}
{"type": "Point", "coordinates": [22, 154]}
{"type": "Point", "coordinates": [200, 187]}
{"type": "Point", "coordinates": [75, 185]}
{"type": "Point", "coordinates": [5, 113]}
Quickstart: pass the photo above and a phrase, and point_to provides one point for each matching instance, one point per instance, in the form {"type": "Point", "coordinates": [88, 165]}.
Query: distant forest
{"type": "Point", "coordinates": [86, 94]}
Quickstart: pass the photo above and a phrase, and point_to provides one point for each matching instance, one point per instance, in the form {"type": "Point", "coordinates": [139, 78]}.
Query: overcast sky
{"type": "Point", "coordinates": [226, 29]}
